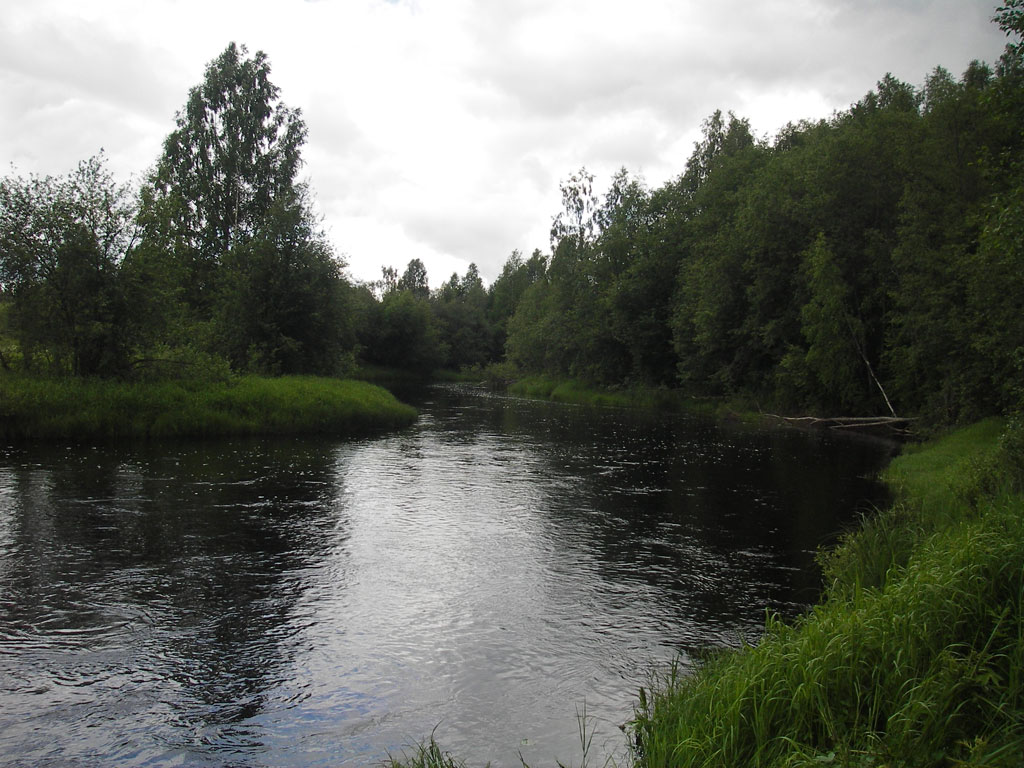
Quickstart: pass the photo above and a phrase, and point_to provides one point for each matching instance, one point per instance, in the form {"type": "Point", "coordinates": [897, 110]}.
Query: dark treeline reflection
{"type": "Point", "coordinates": [484, 573]}
{"type": "Point", "coordinates": [712, 513]}
{"type": "Point", "coordinates": [161, 574]}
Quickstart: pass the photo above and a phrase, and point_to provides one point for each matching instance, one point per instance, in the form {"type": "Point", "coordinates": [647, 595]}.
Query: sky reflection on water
{"type": "Point", "coordinates": [480, 576]}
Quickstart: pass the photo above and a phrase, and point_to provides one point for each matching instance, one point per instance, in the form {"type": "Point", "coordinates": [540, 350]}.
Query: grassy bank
{"type": "Point", "coordinates": [86, 409]}
{"type": "Point", "coordinates": [916, 655]}
{"type": "Point", "coordinates": [581, 393]}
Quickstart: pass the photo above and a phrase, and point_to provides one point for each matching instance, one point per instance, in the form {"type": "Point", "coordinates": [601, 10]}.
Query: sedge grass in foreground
{"type": "Point", "coordinates": [915, 657]}
{"type": "Point", "coordinates": [85, 409]}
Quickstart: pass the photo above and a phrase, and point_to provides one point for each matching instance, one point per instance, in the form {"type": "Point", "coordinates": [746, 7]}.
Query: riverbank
{"type": "Point", "coordinates": [93, 409]}
{"type": "Point", "coordinates": [734, 409]}
{"type": "Point", "coordinates": [580, 393]}
{"type": "Point", "coordinates": [915, 656]}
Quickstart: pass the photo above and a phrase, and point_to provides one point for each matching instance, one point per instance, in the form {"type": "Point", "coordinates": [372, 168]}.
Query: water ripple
{"type": "Point", "coordinates": [298, 602]}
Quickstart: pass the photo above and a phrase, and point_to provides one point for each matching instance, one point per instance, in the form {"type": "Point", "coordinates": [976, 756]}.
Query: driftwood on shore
{"type": "Point", "coordinates": [896, 424]}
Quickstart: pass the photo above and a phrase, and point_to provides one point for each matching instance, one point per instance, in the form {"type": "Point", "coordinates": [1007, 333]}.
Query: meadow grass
{"type": "Point", "coordinates": [915, 656]}
{"type": "Point", "coordinates": [93, 409]}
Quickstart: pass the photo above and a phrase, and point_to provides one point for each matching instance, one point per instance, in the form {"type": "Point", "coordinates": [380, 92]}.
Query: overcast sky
{"type": "Point", "coordinates": [440, 129]}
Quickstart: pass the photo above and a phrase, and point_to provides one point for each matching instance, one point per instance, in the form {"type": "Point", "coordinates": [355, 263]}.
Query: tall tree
{"type": "Point", "coordinates": [711, 303]}
{"type": "Point", "coordinates": [235, 151]}
{"type": "Point", "coordinates": [507, 291]}
{"type": "Point", "coordinates": [414, 279]}
{"type": "Point", "coordinates": [834, 333]}
{"type": "Point", "coordinates": [460, 306]}
{"type": "Point", "coordinates": [224, 202]}
{"type": "Point", "coordinates": [578, 278]}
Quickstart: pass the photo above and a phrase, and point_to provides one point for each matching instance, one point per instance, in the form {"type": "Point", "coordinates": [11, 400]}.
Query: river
{"type": "Point", "coordinates": [495, 575]}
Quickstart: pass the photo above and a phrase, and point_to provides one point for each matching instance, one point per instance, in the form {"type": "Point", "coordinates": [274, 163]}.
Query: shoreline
{"type": "Point", "coordinates": [88, 410]}
{"type": "Point", "coordinates": [914, 649]}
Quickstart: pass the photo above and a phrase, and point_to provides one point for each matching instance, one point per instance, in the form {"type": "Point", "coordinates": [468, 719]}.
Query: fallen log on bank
{"type": "Point", "coordinates": [897, 424]}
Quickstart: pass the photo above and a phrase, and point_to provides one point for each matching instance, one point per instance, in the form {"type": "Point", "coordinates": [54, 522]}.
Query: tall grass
{"type": "Point", "coordinates": [85, 409]}
{"type": "Point", "coordinates": [426, 754]}
{"type": "Point", "coordinates": [916, 655]}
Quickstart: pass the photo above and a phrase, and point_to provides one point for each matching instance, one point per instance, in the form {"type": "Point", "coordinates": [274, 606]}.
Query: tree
{"type": "Point", "coordinates": [722, 138]}
{"type": "Point", "coordinates": [235, 151]}
{"type": "Point", "coordinates": [576, 296]}
{"type": "Point", "coordinates": [403, 334]}
{"type": "Point", "coordinates": [928, 348]}
{"type": "Point", "coordinates": [995, 303]}
{"type": "Point", "coordinates": [388, 282]}
{"type": "Point", "coordinates": [636, 269]}
{"type": "Point", "coordinates": [711, 303]}
{"type": "Point", "coordinates": [414, 279]}
{"type": "Point", "coordinates": [834, 334]}
{"type": "Point", "coordinates": [260, 280]}
{"type": "Point", "coordinates": [283, 309]}
{"type": "Point", "coordinates": [535, 341]}
{"type": "Point", "coordinates": [1010, 18]}
{"type": "Point", "coordinates": [62, 243]}
{"type": "Point", "coordinates": [576, 222]}
{"type": "Point", "coordinates": [460, 306]}
{"type": "Point", "coordinates": [507, 291]}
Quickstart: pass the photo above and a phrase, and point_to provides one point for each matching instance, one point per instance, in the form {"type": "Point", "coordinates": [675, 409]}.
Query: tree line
{"type": "Point", "coordinates": [216, 261]}
{"type": "Point", "coordinates": [867, 263]}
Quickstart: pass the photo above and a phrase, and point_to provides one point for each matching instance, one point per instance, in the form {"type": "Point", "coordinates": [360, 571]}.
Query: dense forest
{"type": "Point", "coordinates": [870, 263]}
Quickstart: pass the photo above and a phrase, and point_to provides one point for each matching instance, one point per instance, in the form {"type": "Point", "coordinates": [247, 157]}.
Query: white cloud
{"type": "Point", "coordinates": [439, 129]}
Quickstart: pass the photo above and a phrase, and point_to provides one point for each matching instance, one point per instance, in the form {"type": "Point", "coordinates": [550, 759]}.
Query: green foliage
{"type": "Point", "coordinates": [507, 292]}
{"type": "Point", "coordinates": [401, 332]}
{"type": "Point", "coordinates": [859, 265]}
{"type": "Point", "coordinates": [834, 335]}
{"type": "Point", "coordinates": [62, 244]}
{"type": "Point", "coordinates": [868, 263]}
{"type": "Point", "coordinates": [283, 309]}
{"type": "Point", "coordinates": [577, 318]}
{"type": "Point", "coordinates": [235, 151]}
{"type": "Point", "coordinates": [995, 302]}
{"type": "Point", "coordinates": [863, 264]}
{"type": "Point", "coordinates": [711, 302]}
{"type": "Point", "coordinates": [184, 364]}
{"type": "Point", "coordinates": [90, 409]}
{"type": "Point", "coordinates": [414, 280]}
{"type": "Point", "coordinates": [232, 235]}
{"type": "Point", "coordinates": [581, 393]}
{"type": "Point", "coordinates": [460, 306]}
{"type": "Point", "coordinates": [913, 659]}
{"type": "Point", "coordinates": [1010, 18]}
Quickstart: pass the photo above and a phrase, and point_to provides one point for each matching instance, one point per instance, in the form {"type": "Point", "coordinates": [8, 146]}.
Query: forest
{"type": "Point", "coordinates": [871, 263]}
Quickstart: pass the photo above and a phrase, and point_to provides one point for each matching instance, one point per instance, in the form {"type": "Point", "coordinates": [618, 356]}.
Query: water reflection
{"type": "Point", "coordinates": [316, 603]}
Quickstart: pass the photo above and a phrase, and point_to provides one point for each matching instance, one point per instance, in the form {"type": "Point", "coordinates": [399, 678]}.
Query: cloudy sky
{"type": "Point", "coordinates": [440, 129]}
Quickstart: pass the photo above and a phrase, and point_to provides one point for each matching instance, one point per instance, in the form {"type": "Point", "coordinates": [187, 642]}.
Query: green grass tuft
{"type": "Point", "coordinates": [425, 755]}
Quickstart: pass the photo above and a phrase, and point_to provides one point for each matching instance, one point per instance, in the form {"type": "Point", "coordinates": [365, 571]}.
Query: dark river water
{"type": "Point", "coordinates": [492, 575]}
